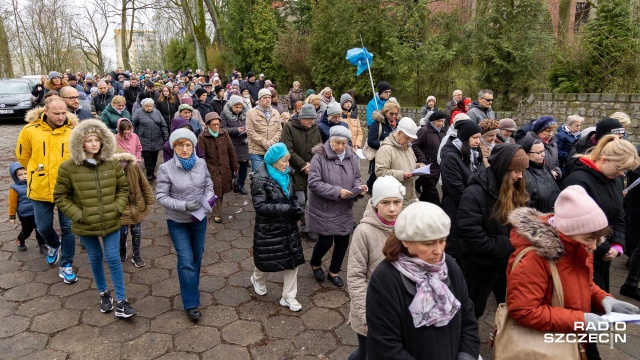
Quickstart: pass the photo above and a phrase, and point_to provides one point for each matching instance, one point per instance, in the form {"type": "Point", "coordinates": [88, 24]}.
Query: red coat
{"type": "Point", "coordinates": [529, 286]}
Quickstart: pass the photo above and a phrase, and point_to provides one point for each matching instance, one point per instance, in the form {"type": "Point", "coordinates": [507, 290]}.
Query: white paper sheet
{"type": "Point", "coordinates": [356, 191]}
{"type": "Point", "coordinates": [360, 154]}
{"type": "Point", "coordinates": [619, 317]}
{"type": "Point", "coordinates": [635, 183]}
{"type": "Point", "coordinates": [203, 210]}
{"type": "Point", "coordinates": [425, 170]}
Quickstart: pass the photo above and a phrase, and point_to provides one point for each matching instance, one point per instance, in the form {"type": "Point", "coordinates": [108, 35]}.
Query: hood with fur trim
{"type": "Point", "coordinates": [533, 229]}
{"type": "Point", "coordinates": [378, 117]}
{"type": "Point", "coordinates": [50, 86]}
{"type": "Point", "coordinates": [84, 129]}
{"type": "Point", "coordinates": [130, 159]}
{"type": "Point", "coordinates": [36, 114]}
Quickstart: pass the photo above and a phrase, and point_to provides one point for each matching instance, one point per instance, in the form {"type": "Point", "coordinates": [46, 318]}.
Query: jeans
{"type": "Point", "coordinates": [28, 224]}
{"type": "Point", "coordinates": [135, 238]}
{"type": "Point", "coordinates": [111, 244]}
{"type": "Point", "coordinates": [256, 160]}
{"type": "Point", "coordinates": [43, 212]}
{"type": "Point", "coordinates": [188, 240]}
{"type": "Point", "coordinates": [242, 173]}
{"type": "Point", "coordinates": [302, 202]}
{"type": "Point", "coordinates": [290, 285]}
{"type": "Point", "coordinates": [339, 251]}
{"type": "Point", "coordinates": [150, 159]}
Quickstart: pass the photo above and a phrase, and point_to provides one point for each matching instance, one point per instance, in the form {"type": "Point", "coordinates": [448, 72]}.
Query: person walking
{"type": "Point", "coordinates": [168, 104]}
{"type": "Point", "coordinates": [183, 186]}
{"type": "Point", "coordinates": [114, 112]}
{"type": "Point", "coordinates": [152, 130]}
{"type": "Point", "coordinates": [234, 121]}
{"type": "Point", "coordinates": [21, 206]}
{"type": "Point", "coordinates": [383, 125]}
{"type": "Point", "coordinates": [365, 252]}
{"type": "Point", "coordinates": [333, 174]}
{"type": "Point", "coordinates": [263, 128]}
{"type": "Point", "coordinates": [277, 246]}
{"type": "Point", "coordinates": [94, 203]}
{"type": "Point", "coordinates": [220, 157]}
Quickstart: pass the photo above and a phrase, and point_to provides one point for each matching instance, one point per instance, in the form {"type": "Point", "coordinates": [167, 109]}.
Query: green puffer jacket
{"type": "Point", "coordinates": [93, 196]}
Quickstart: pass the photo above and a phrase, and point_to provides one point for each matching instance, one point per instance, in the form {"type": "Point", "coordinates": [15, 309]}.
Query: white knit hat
{"type": "Point", "coordinates": [263, 92]}
{"type": "Point", "coordinates": [422, 221]}
{"type": "Point", "coordinates": [577, 213]}
{"type": "Point", "coordinates": [387, 187]}
{"type": "Point", "coordinates": [461, 116]}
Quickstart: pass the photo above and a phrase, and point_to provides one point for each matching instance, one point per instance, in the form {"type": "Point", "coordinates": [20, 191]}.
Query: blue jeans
{"type": "Point", "coordinates": [188, 240]}
{"type": "Point", "coordinates": [256, 160]}
{"type": "Point", "coordinates": [242, 173]}
{"type": "Point", "coordinates": [43, 212]}
{"type": "Point", "coordinates": [111, 244]}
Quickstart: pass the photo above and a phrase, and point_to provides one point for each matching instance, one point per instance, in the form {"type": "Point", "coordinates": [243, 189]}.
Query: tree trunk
{"type": "Point", "coordinates": [200, 30]}
{"type": "Point", "coordinates": [6, 67]}
{"type": "Point", "coordinates": [213, 12]}
{"type": "Point", "coordinates": [124, 49]}
{"type": "Point", "coordinates": [565, 33]}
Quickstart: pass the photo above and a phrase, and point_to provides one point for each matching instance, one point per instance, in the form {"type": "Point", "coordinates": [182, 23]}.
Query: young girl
{"type": "Point", "coordinates": [92, 190]}
{"type": "Point", "coordinates": [127, 140]}
{"type": "Point", "coordinates": [141, 198]}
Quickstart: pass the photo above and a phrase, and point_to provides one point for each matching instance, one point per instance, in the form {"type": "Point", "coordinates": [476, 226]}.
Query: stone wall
{"type": "Point", "coordinates": [592, 107]}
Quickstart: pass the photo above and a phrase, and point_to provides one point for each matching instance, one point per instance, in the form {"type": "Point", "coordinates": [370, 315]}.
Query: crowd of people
{"type": "Point", "coordinates": [422, 264]}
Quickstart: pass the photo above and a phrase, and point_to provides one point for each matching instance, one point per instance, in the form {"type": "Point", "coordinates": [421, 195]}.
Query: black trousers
{"type": "Point", "coordinates": [360, 353]}
{"type": "Point", "coordinates": [28, 224]}
{"type": "Point", "coordinates": [372, 176]}
{"type": "Point", "coordinates": [339, 251]}
{"type": "Point", "coordinates": [150, 159]}
{"type": "Point", "coordinates": [482, 280]}
{"type": "Point", "coordinates": [429, 191]}
{"type": "Point", "coordinates": [601, 273]}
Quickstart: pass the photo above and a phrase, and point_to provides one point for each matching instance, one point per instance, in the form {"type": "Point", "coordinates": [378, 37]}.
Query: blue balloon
{"type": "Point", "coordinates": [359, 57]}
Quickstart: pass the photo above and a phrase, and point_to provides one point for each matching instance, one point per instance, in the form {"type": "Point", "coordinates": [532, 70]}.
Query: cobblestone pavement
{"type": "Point", "coordinates": [42, 318]}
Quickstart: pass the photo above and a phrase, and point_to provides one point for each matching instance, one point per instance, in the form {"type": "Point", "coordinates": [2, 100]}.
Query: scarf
{"type": "Point", "coordinates": [341, 156]}
{"type": "Point", "coordinates": [189, 163]}
{"type": "Point", "coordinates": [433, 126]}
{"type": "Point", "coordinates": [214, 134]}
{"type": "Point", "coordinates": [433, 304]}
{"type": "Point", "coordinates": [280, 177]}
{"type": "Point", "coordinates": [474, 154]}
{"type": "Point", "coordinates": [489, 145]}
{"type": "Point", "coordinates": [388, 223]}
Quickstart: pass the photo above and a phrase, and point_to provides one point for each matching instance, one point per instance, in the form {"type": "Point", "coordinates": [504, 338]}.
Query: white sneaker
{"type": "Point", "coordinates": [292, 303]}
{"type": "Point", "coordinates": [259, 289]}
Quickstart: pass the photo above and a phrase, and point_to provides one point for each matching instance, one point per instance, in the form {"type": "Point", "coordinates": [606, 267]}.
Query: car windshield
{"type": "Point", "coordinates": [14, 87]}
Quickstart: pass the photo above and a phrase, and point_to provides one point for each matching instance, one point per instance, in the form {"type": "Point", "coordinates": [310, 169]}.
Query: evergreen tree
{"type": "Point", "coordinates": [259, 38]}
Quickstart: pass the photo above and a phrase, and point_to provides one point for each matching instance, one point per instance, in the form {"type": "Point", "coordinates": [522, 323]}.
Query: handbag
{"type": "Point", "coordinates": [511, 340]}
{"type": "Point", "coordinates": [369, 152]}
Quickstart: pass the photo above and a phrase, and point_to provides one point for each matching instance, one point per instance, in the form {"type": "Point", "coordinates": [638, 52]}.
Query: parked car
{"type": "Point", "coordinates": [34, 78]}
{"type": "Point", "coordinates": [15, 98]}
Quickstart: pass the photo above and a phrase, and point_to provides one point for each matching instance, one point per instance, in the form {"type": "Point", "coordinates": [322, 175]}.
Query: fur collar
{"type": "Point", "coordinates": [130, 159]}
{"type": "Point", "coordinates": [537, 232]}
{"type": "Point", "coordinates": [50, 86]}
{"type": "Point", "coordinates": [378, 117]}
{"type": "Point", "coordinates": [81, 131]}
{"type": "Point", "coordinates": [35, 115]}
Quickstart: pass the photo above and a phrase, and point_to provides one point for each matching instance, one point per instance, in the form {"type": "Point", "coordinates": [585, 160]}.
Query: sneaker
{"type": "Point", "coordinates": [137, 261]}
{"type": "Point", "coordinates": [125, 310]}
{"type": "Point", "coordinates": [259, 289]}
{"type": "Point", "coordinates": [293, 304]}
{"type": "Point", "coordinates": [66, 273]}
{"type": "Point", "coordinates": [53, 255]}
{"type": "Point", "coordinates": [21, 246]}
{"type": "Point", "coordinates": [106, 302]}
{"type": "Point", "coordinates": [43, 249]}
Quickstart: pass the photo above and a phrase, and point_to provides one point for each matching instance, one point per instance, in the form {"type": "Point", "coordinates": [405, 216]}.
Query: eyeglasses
{"type": "Point", "coordinates": [621, 169]}
{"type": "Point", "coordinates": [387, 92]}
{"type": "Point", "coordinates": [537, 152]}
{"type": "Point", "coordinates": [71, 97]}
{"type": "Point", "coordinates": [619, 131]}
{"type": "Point", "coordinates": [487, 100]}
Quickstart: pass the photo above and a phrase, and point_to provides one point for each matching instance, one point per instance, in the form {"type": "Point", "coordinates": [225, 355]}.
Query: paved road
{"type": "Point", "coordinates": [42, 318]}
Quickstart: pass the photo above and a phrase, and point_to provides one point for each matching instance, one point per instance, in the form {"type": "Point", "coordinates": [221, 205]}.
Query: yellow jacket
{"type": "Point", "coordinates": [39, 144]}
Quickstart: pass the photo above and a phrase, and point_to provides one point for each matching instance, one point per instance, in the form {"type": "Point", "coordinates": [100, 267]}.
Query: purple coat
{"type": "Point", "coordinates": [327, 213]}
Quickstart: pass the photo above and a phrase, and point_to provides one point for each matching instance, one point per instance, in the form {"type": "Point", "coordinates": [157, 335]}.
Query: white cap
{"type": "Point", "coordinates": [387, 187]}
{"type": "Point", "coordinates": [422, 221]}
{"type": "Point", "coordinates": [408, 127]}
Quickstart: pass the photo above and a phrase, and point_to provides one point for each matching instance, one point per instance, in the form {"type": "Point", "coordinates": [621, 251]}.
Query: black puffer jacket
{"type": "Point", "coordinates": [607, 193]}
{"type": "Point", "coordinates": [484, 240]}
{"type": "Point", "coordinates": [632, 211]}
{"type": "Point", "coordinates": [579, 147]}
{"type": "Point", "coordinates": [276, 237]}
{"type": "Point", "coordinates": [541, 186]}
{"type": "Point", "coordinates": [551, 161]}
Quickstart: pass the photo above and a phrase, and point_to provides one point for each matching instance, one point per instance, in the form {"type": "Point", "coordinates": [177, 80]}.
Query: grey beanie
{"type": "Point", "coordinates": [341, 131]}
{"type": "Point", "coordinates": [183, 134]}
{"type": "Point", "coordinates": [344, 98]}
{"type": "Point", "coordinates": [307, 112]}
{"type": "Point", "coordinates": [235, 99]}
{"type": "Point", "coordinates": [334, 109]}
{"type": "Point", "coordinates": [53, 74]}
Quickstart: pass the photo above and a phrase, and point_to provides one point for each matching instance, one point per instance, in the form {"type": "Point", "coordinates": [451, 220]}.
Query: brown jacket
{"type": "Point", "coordinates": [261, 133]}
{"type": "Point", "coordinates": [356, 130]}
{"type": "Point", "coordinates": [365, 253]}
{"type": "Point", "coordinates": [221, 160]}
{"type": "Point", "coordinates": [141, 195]}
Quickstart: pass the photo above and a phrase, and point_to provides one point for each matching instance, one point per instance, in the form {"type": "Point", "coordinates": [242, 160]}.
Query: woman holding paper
{"type": "Point", "coordinates": [334, 180]}
{"type": "Point", "coordinates": [184, 187]}
{"type": "Point", "coordinates": [396, 158]}
{"type": "Point", "coordinates": [568, 238]}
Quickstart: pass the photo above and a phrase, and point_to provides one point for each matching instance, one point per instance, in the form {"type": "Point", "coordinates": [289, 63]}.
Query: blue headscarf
{"type": "Point", "coordinates": [274, 154]}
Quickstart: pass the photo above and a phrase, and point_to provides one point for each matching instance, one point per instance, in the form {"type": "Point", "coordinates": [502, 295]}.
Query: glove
{"type": "Point", "coordinates": [192, 205]}
{"type": "Point", "coordinates": [612, 305]}
{"type": "Point", "coordinates": [295, 210]}
{"type": "Point", "coordinates": [591, 322]}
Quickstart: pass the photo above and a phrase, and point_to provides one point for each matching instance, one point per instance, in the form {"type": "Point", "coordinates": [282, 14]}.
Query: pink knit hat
{"type": "Point", "coordinates": [577, 213]}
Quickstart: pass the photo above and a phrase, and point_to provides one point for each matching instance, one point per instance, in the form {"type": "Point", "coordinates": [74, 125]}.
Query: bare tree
{"type": "Point", "coordinates": [90, 42]}
{"type": "Point", "coordinates": [6, 65]}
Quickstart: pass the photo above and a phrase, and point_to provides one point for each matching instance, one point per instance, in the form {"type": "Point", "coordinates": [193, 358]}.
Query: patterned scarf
{"type": "Point", "coordinates": [189, 163]}
{"type": "Point", "coordinates": [433, 304]}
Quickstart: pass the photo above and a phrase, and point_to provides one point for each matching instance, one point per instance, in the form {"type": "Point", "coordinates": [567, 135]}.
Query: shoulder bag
{"type": "Point", "coordinates": [369, 152]}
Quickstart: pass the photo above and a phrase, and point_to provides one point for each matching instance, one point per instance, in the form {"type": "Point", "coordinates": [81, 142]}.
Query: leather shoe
{"type": "Point", "coordinates": [242, 191]}
{"type": "Point", "coordinates": [318, 273]}
{"type": "Point", "coordinates": [336, 280]}
{"type": "Point", "coordinates": [313, 237]}
{"type": "Point", "coordinates": [194, 314]}
{"type": "Point", "coordinates": [218, 220]}
{"type": "Point", "coordinates": [630, 291]}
